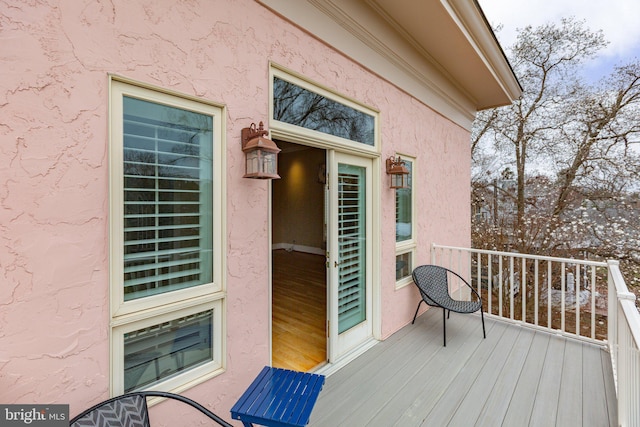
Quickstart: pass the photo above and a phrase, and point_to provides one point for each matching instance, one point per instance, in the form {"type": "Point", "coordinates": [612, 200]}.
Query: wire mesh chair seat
{"type": "Point", "coordinates": [433, 283]}
{"type": "Point", "coordinates": [130, 410]}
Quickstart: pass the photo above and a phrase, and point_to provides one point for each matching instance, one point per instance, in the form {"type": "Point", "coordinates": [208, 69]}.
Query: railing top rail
{"type": "Point", "coordinates": [633, 319]}
{"type": "Point", "coordinates": [529, 256]}
{"type": "Point", "coordinates": [626, 300]}
{"type": "Point", "coordinates": [618, 280]}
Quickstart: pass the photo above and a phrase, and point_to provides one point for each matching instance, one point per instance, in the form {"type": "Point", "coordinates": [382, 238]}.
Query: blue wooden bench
{"type": "Point", "coordinates": [278, 398]}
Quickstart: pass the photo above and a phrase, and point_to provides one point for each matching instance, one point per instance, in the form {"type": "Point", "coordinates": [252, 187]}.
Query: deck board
{"type": "Point", "coordinates": [594, 407]}
{"type": "Point", "coordinates": [570, 400]}
{"type": "Point", "coordinates": [521, 404]}
{"type": "Point", "coordinates": [495, 407]}
{"type": "Point", "coordinates": [609, 386]}
{"type": "Point", "coordinates": [516, 376]}
{"type": "Point", "coordinates": [418, 394]}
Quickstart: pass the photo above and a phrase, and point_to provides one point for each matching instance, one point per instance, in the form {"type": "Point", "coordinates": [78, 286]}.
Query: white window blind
{"type": "Point", "coordinates": [167, 155]}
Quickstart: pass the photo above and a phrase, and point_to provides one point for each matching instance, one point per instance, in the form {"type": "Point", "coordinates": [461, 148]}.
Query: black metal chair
{"type": "Point", "coordinates": [130, 410]}
{"type": "Point", "coordinates": [433, 283]}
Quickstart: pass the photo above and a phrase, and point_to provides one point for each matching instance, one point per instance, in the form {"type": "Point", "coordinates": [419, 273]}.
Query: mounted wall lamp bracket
{"type": "Point", "coordinates": [261, 153]}
{"type": "Point", "coordinates": [398, 171]}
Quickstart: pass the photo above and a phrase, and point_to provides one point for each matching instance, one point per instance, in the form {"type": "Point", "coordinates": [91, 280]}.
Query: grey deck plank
{"type": "Point", "coordinates": [521, 403]}
{"type": "Point", "coordinates": [437, 380]}
{"type": "Point", "coordinates": [515, 377]}
{"type": "Point", "coordinates": [403, 356]}
{"type": "Point", "coordinates": [476, 369]}
{"type": "Point", "coordinates": [429, 381]}
{"type": "Point", "coordinates": [571, 390]}
{"type": "Point", "coordinates": [383, 360]}
{"type": "Point", "coordinates": [500, 396]}
{"type": "Point", "coordinates": [420, 385]}
{"type": "Point", "coordinates": [594, 407]}
{"type": "Point", "coordinates": [609, 388]}
{"type": "Point", "coordinates": [545, 409]}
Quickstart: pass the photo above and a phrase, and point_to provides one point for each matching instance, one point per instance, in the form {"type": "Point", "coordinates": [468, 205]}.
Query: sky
{"type": "Point", "coordinates": [618, 19]}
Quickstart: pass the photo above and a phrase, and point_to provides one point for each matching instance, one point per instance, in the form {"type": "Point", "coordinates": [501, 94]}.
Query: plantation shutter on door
{"type": "Point", "coordinates": [351, 246]}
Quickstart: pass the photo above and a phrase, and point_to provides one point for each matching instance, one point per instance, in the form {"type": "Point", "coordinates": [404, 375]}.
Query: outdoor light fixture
{"type": "Point", "coordinates": [261, 153]}
{"type": "Point", "coordinates": [398, 171]}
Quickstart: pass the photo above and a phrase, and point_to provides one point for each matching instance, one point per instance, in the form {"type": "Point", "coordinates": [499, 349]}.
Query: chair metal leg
{"type": "Point", "coordinates": [444, 326]}
{"type": "Point", "coordinates": [416, 315]}
{"type": "Point", "coordinates": [482, 317]}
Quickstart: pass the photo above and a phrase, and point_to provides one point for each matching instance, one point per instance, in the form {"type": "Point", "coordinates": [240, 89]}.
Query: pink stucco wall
{"type": "Point", "coordinates": [56, 57]}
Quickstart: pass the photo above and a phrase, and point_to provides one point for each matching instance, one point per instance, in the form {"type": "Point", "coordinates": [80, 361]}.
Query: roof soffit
{"type": "Point", "coordinates": [440, 51]}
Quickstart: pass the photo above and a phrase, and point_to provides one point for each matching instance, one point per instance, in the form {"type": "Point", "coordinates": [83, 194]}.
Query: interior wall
{"type": "Point", "coordinates": [298, 200]}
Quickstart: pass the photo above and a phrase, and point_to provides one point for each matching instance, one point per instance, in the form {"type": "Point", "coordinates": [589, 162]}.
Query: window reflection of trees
{"type": "Point", "coordinates": [301, 107]}
{"type": "Point", "coordinates": [167, 174]}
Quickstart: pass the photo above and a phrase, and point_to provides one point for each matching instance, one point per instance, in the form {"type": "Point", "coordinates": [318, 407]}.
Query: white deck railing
{"type": "Point", "coordinates": [582, 299]}
{"type": "Point", "coordinates": [565, 295]}
{"type": "Point", "coordinates": [624, 346]}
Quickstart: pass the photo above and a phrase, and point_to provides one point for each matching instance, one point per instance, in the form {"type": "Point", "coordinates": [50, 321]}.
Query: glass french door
{"type": "Point", "coordinates": [349, 260]}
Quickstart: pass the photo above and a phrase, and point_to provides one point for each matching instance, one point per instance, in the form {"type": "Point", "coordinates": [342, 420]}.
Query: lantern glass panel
{"type": "Point", "coordinates": [397, 180]}
{"type": "Point", "coordinates": [269, 163]}
{"type": "Point", "coordinates": [253, 162]}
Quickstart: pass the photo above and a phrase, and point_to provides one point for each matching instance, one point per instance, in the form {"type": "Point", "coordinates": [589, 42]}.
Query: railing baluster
{"type": "Point", "coordinates": [500, 286]}
{"type": "Point", "coordinates": [479, 273]}
{"type": "Point", "coordinates": [577, 290]}
{"type": "Point", "coordinates": [549, 301]}
{"type": "Point", "coordinates": [523, 289]}
{"type": "Point", "coordinates": [535, 294]}
{"type": "Point", "coordinates": [562, 295]}
{"type": "Point", "coordinates": [592, 287]}
{"type": "Point", "coordinates": [489, 283]}
{"type": "Point", "coordinates": [511, 290]}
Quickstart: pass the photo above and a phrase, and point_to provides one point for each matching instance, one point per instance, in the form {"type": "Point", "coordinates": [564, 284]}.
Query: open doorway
{"type": "Point", "coordinates": [299, 281]}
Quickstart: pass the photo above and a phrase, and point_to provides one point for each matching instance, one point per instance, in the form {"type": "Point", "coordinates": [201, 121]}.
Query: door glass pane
{"type": "Point", "coordinates": [351, 246]}
{"type": "Point", "coordinates": [168, 200]}
{"type": "Point", "coordinates": [161, 351]}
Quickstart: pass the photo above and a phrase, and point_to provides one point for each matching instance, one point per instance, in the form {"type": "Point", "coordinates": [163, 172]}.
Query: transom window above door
{"type": "Point", "coordinates": [329, 116]}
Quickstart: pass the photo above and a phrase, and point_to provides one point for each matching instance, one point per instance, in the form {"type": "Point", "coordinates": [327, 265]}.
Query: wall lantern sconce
{"type": "Point", "coordinates": [261, 153]}
{"type": "Point", "coordinates": [398, 171]}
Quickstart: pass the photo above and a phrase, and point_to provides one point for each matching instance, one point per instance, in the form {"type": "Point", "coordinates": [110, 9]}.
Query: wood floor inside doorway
{"type": "Point", "coordinates": [299, 310]}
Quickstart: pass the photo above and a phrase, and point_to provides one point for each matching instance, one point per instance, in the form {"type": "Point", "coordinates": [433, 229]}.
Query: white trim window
{"type": "Point", "coordinates": [405, 227]}
{"type": "Point", "coordinates": [166, 233]}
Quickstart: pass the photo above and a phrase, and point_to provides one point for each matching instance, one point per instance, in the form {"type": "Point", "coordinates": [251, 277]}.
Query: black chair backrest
{"type": "Point", "coordinates": [123, 411]}
{"type": "Point", "coordinates": [130, 410]}
{"type": "Point", "coordinates": [433, 284]}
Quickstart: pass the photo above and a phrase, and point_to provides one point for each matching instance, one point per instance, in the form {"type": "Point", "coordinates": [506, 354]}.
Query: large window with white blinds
{"type": "Point", "coordinates": [167, 198]}
{"type": "Point", "coordinates": [166, 239]}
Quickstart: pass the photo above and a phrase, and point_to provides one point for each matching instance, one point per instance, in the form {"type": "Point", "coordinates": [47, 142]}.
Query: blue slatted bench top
{"type": "Point", "coordinates": [279, 398]}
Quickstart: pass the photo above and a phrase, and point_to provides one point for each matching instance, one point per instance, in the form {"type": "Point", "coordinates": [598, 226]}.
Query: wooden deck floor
{"type": "Point", "coordinates": [516, 377]}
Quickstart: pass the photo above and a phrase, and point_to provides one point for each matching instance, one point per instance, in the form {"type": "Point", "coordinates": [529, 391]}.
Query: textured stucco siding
{"type": "Point", "coordinates": [55, 59]}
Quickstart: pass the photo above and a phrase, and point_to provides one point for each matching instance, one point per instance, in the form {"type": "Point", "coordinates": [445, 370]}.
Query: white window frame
{"type": "Point", "coordinates": [127, 316]}
{"type": "Point", "coordinates": [408, 246]}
